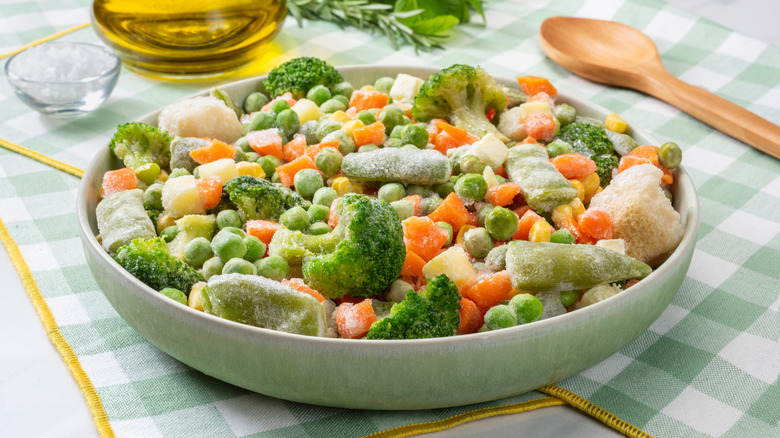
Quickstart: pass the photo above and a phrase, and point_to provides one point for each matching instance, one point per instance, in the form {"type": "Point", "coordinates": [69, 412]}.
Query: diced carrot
{"type": "Point", "coordinates": [354, 320]}
{"type": "Point", "coordinates": [668, 177]}
{"type": "Point", "coordinates": [535, 84]}
{"type": "Point", "coordinates": [216, 150]}
{"type": "Point", "coordinates": [574, 165]}
{"type": "Point", "coordinates": [630, 160]}
{"type": "Point", "coordinates": [294, 148]}
{"type": "Point", "coordinates": [529, 140]}
{"type": "Point", "coordinates": [571, 224]}
{"type": "Point", "coordinates": [444, 142]}
{"type": "Point", "coordinates": [540, 126]}
{"type": "Point", "coordinates": [263, 230]}
{"type": "Point", "coordinates": [459, 134]}
{"type": "Point", "coordinates": [287, 171]}
{"type": "Point", "coordinates": [471, 319]}
{"type": "Point", "coordinates": [596, 223]}
{"type": "Point", "coordinates": [419, 204]}
{"type": "Point", "coordinates": [351, 112]}
{"type": "Point", "coordinates": [527, 220]}
{"type": "Point", "coordinates": [209, 191]}
{"type": "Point", "coordinates": [501, 172]}
{"type": "Point", "coordinates": [413, 264]}
{"type": "Point", "coordinates": [369, 134]}
{"type": "Point", "coordinates": [541, 97]}
{"type": "Point", "coordinates": [266, 142]}
{"type": "Point", "coordinates": [315, 149]}
{"type": "Point", "coordinates": [433, 129]}
{"type": "Point", "coordinates": [423, 237]}
{"type": "Point", "coordinates": [333, 218]}
{"type": "Point", "coordinates": [119, 180]}
{"type": "Point", "coordinates": [300, 286]}
{"type": "Point", "coordinates": [630, 283]}
{"type": "Point", "coordinates": [491, 290]}
{"type": "Point", "coordinates": [367, 99]}
{"type": "Point", "coordinates": [503, 194]}
{"type": "Point", "coordinates": [452, 211]}
{"type": "Point", "coordinates": [286, 97]}
{"type": "Point", "coordinates": [648, 152]}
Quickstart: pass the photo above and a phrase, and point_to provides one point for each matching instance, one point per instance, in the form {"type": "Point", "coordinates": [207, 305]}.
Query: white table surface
{"type": "Point", "coordinates": [35, 383]}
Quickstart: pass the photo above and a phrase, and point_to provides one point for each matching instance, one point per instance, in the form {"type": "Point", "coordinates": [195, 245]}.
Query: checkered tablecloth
{"type": "Point", "coordinates": [707, 367]}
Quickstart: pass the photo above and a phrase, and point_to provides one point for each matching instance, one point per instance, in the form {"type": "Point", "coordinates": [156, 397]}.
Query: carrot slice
{"type": "Point", "coordinates": [535, 84]}
{"type": "Point", "coordinates": [368, 99]}
{"type": "Point", "coordinates": [596, 223]}
{"type": "Point", "coordinates": [571, 224]}
{"type": "Point", "coordinates": [369, 134]}
{"type": "Point", "coordinates": [630, 161]}
{"type": "Point", "coordinates": [452, 211]}
{"type": "Point", "coordinates": [459, 134]}
{"type": "Point", "coordinates": [491, 290]}
{"type": "Point", "coordinates": [471, 319]}
{"type": "Point", "coordinates": [423, 237]}
{"type": "Point", "coordinates": [354, 320]}
{"type": "Point", "coordinates": [119, 180]}
{"type": "Point", "coordinates": [419, 204]}
{"type": "Point", "coordinates": [266, 142]}
{"type": "Point", "coordinates": [444, 142]}
{"type": "Point", "coordinates": [209, 191]}
{"type": "Point", "coordinates": [413, 264]}
{"type": "Point", "coordinates": [503, 194]}
{"type": "Point", "coordinates": [294, 148]}
{"type": "Point", "coordinates": [216, 150]}
{"type": "Point", "coordinates": [574, 165]}
{"type": "Point", "coordinates": [300, 286]}
{"type": "Point", "coordinates": [540, 126]}
{"type": "Point", "coordinates": [287, 171]}
{"type": "Point", "coordinates": [527, 220]}
{"type": "Point", "coordinates": [263, 230]}
{"type": "Point", "coordinates": [648, 152]}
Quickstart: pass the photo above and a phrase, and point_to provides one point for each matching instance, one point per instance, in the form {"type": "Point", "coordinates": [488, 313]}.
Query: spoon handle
{"type": "Point", "coordinates": [717, 112]}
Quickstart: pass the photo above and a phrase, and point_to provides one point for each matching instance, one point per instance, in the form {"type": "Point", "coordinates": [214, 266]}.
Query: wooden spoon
{"type": "Point", "coordinates": [616, 54]}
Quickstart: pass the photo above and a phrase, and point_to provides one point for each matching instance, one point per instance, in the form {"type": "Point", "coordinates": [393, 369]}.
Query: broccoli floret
{"type": "Point", "coordinates": [299, 75]}
{"type": "Point", "coordinates": [361, 256]}
{"type": "Point", "coordinates": [138, 144]}
{"type": "Point", "coordinates": [462, 94]}
{"type": "Point", "coordinates": [149, 261]}
{"type": "Point", "coordinates": [431, 314]}
{"type": "Point", "coordinates": [257, 198]}
{"type": "Point", "coordinates": [592, 141]}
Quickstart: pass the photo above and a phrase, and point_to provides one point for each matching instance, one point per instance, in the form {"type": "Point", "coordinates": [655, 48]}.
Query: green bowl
{"type": "Point", "coordinates": [409, 374]}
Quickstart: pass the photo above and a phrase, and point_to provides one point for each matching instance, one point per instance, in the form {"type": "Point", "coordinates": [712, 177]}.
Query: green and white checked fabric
{"type": "Point", "coordinates": [707, 367]}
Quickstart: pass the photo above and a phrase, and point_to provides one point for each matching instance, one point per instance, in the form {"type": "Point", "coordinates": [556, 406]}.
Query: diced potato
{"type": "Point", "coordinates": [307, 110]}
{"type": "Point", "coordinates": [596, 294]}
{"type": "Point", "coordinates": [405, 88]}
{"type": "Point", "coordinates": [340, 116]}
{"type": "Point", "coordinates": [225, 169]}
{"type": "Point", "coordinates": [490, 149]}
{"type": "Point", "coordinates": [180, 197]}
{"type": "Point", "coordinates": [490, 177]}
{"type": "Point", "coordinates": [511, 124]}
{"type": "Point", "coordinates": [536, 107]}
{"type": "Point", "coordinates": [617, 245]}
{"type": "Point", "coordinates": [454, 263]}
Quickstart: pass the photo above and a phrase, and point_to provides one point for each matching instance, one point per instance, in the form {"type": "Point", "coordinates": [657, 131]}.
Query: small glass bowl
{"type": "Point", "coordinates": [64, 79]}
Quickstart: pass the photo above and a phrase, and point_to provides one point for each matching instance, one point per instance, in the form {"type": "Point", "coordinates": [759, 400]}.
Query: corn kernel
{"type": "Point", "coordinates": [340, 116]}
{"type": "Point", "coordinates": [591, 184]}
{"type": "Point", "coordinates": [580, 189]}
{"type": "Point", "coordinates": [350, 126]}
{"type": "Point", "coordinates": [247, 168]}
{"type": "Point", "coordinates": [355, 187]}
{"type": "Point", "coordinates": [561, 213]}
{"type": "Point", "coordinates": [577, 208]}
{"type": "Point", "coordinates": [367, 88]}
{"type": "Point", "coordinates": [194, 299]}
{"type": "Point", "coordinates": [615, 123]}
{"type": "Point", "coordinates": [341, 185]}
{"type": "Point", "coordinates": [461, 239]}
{"type": "Point", "coordinates": [540, 232]}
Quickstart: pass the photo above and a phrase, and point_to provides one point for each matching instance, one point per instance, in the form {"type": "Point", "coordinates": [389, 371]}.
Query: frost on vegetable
{"type": "Point", "coordinates": [201, 117]}
{"type": "Point", "coordinates": [121, 218]}
{"type": "Point", "coordinates": [542, 185]}
{"type": "Point", "coordinates": [180, 152]}
{"type": "Point", "coordinates": [410, 166]}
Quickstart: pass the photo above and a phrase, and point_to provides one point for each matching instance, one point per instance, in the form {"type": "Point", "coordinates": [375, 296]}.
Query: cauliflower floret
{"type": "Point", "coordinates": [511, 124]}
{"type": "Point", "coordinates": [201, 117]}
{"type": "Point", "coordinates": [643, 216]}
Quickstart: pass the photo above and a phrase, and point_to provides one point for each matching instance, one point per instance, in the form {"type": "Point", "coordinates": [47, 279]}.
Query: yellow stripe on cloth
{"type": "Point", "coordinates": [594, 411]}
{"type": "Point", "coordinates": [56, 337]}
{"type": "Point", "coordinates": [59, 165]}
{"type": "Point", "coordinates": [435, 426]}
{"type": "Point", "coordinates": [45, 39]}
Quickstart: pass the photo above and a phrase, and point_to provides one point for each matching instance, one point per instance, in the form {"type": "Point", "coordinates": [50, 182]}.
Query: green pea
{"type": "Point", "coordinates": [318, 213]}
{"type": "Point", "coordinates": [483, 212]}
{"type": "Point", "coordinates": [444, 189]}
{"type": "Point", "coordinates": [501, 223]}
{"type": "Point", "coordinates": [670, 155]}
{"type": "Point", "coordinates": [318, 94]}
{"type": "Point", "coordinates": [259, 121]}
{"type": "Point", "coordinates": [309, 130]}
{"type": "Point", "coordinates": [169, 233]}
{"type": "Point", "coordinates": [558, 147]}
{"type": "Point", "coordinates": [332, 105]}
{"type": "Point", "coordinates": [242, 144]}
{"type": "Point", "coordinates": [328, 160]}
{"type": "Point", "coordinates": [240, 155]}
{"type": "Point", "coordinates": [565, 114]}
{"type": "Point", "coordinates": [526, 307]}
{"type": "Point", "coordinates": [279, 106]}
{"type": "Point", "coordinates": [211, 267]}
{"type": "Point", "coordinates": [478, 242]}
{"type": "Point", "coordinates": [416, 134]}
{"type": "Point", "coordinates": [368, 148]}
{"type": "Point", "coordinates": [500, 179]}
{"type": "Point", "coordinates": [367, 117]}
{"type": "Point", "coordinates": [472, 164]}
{"type": "Point", "coordinates": [324, 196]}
{"type": "Point", "coordinates": [175, 295]}
{"type": "Point", "coordinates": [255, 248]}
{"type": "Point", "coordinates": [177, 172]}
{"type": "Point", "coordinates": [273, 267]}
{"type": "Point", "coordinates": [562, 236]}
{"type": "Point", "coordinates": [269, 163]}
{"type": "Point", "coordinates": [500, 317]}
{"type": "Point", "coordinates": [235, 230]}
{"type": "Point", "coordinates": [391, 192]}
{"type": "Point", "coordinates": [228, 218]}
{"type": "Point", "coordinates": [343, 88]}
{"type": "Point", "coordinates": [252, 157]}
{"type": "Point", "coordinates": [432, 202]}
{"type": "Point", "coordinates": [147, 173]}
{"type": "Point", "coordinates": [496, 258]}
{"type": "Point", "coordinates": [255, 102]}
{"type": "Point", "coordinates": [384, 84]}
{"type": "Point", "coordinates": [346, 143]}
{"type": "Point", "coordinates": [404, 208]}
{"type": "Point", "coordinates": [327, 126]}
{"type": "Point", "coordinates": [197, 251]}
{"type": "Point", "coordinates": [227, 245]}
{"type": "Point", "coordinates": [153, 197]}
{"type": "Point", "coordinates": [307, 182]}
{"type": "Point", "coordinates": [448, 228]}
{"type": "Point", "coordinates": [343, 99]}
{"type": "Point", "coordinates": [288, 122]}
{"type": "Point", "coordinates": [569, 297]}
{"type": "Point", "coordinates": [318, 228]}
{"type": "Point", "coordinates": [471, 187]}
{"type": "Point", "coordinates": [275, 178]}
{"type": "Point", "coordinates": [407, 120]}
{"type": "Point", "coordinates": [239, 266]}
{"type": "Point", "coordinates": [418, 189]}
{"type": "Point", "coordinates": [391, 117]}
{"type": "Point", "coordinates": [409, 146]}
{"type": "Point", "coordinates": [396, 132]}
{"type": "Point", "coordinates": [393, 143]}
{"type": "Point", "coordinates": [295, 218]}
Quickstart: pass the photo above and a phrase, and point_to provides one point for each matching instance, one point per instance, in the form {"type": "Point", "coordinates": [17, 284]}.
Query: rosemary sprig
{"type": "Point", "coordinates": [366, 15]}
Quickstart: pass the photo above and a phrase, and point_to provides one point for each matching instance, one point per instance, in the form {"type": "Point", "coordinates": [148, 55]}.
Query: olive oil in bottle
{"type": "Point", "coordinates": [196, 38]}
